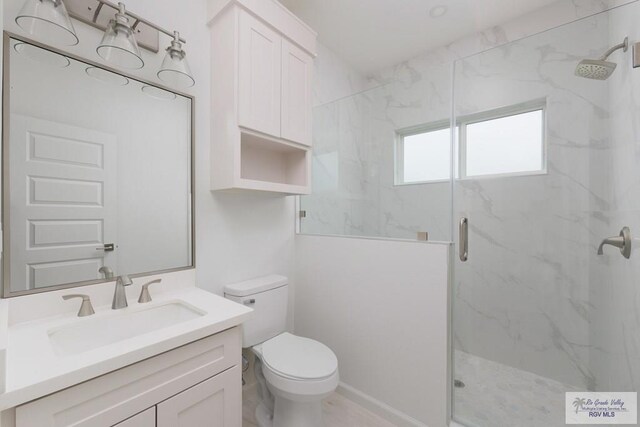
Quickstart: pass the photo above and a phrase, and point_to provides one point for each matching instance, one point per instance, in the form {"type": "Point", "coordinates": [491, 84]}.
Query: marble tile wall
{"type": "Point", "coordinates": [354, 192]}
{"type": "Point", "coordinates": [614, 285]}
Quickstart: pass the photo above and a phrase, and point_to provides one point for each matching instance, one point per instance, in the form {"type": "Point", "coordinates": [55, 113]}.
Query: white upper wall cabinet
{"type": "Point", "coordinates": [260, 76]}
{"type": "Point", "coordinates": [261, 71]}
{"type": "Point", "coordinates": [297, 69]}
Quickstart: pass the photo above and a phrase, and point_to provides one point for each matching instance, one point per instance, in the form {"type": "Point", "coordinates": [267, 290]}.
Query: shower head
{"type": "Point", "coordinates": [595, 69]}
{"type": "Point", "coordinates": [600, 69]}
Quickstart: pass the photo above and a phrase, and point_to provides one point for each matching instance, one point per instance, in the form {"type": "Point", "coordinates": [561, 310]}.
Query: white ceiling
{"type": "Point", "coordinates": [374, 34]}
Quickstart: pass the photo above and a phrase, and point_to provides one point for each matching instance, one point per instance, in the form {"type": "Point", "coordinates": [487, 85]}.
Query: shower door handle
{"type": "Point", "coordinates": [463, 236]}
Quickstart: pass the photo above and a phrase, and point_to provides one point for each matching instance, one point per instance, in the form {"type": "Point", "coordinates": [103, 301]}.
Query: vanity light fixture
{"type": "Point", "coordinates": [119, 45]}
{"type": "Point", "coordinates": [124, 34]}
{"type": "Point", "coordinates": [47, 20]}
{"type": "Point", "coordinates": [175, 69]}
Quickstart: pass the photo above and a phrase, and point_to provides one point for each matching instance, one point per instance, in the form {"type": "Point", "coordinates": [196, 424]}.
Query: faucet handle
{"type": "Point", "coordinates": [86, 309]}
{"type": "Point", "coordinates": [145, 296]}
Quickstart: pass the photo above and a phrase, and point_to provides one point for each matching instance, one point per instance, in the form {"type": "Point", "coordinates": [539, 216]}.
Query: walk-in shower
{"type": "Point", "coordinates": [544, 163]}
{"type": "Point", "coordinates": [537, 312]}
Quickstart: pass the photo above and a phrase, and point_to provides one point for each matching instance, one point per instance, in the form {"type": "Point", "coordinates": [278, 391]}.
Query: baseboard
{"type": "Point", "coordinates": [379, 408]}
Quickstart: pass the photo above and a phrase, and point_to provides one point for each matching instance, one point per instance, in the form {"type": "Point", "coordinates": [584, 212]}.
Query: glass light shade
{"type": "Point", "coordinates": [157, 93]}
{"type": "Point", "coordinates": [175, 69]}
{"type": "Point", "coordinates": [107, 77]}
{"type": "Point", "coordinates": [119, 46]}
{"type": "Point", "coordinates": [41, 56]}
{"type": "Point", "coordinates": [47, 20]}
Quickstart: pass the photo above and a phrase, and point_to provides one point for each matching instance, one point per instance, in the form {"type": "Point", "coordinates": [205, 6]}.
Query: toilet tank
{"type": "Point", "coordinates": [268, 296]}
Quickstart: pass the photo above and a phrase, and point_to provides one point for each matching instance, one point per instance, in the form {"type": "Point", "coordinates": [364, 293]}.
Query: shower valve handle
{"type": "Point", "coordinates": [622, 242]}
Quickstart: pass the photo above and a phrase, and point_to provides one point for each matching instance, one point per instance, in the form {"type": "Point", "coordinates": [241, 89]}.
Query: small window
{"type": "Point", "coordinates": [512, 144]}
{"type": "Point", "coordinates": [423, 156]}
{"type": "Point", "coordinates": [508, 141]}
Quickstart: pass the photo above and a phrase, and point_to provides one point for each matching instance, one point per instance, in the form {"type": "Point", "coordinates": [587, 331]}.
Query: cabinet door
{"type": "Point", "coordinates": [260, 76]}
{"type": "Point", "coordinates": [297, 69]}
{"type": "Point", "coordinates": [216, 402]}
{"type": "Point", "coordinates": [143, 419]}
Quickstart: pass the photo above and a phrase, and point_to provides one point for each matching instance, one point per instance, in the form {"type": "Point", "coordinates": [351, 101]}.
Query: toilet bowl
{"type": "Point", "coordinates": [298, 372]}
{"type": "Point", "coordinates": [293, 373]}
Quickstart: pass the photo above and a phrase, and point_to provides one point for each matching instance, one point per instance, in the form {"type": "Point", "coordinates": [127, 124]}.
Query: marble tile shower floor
{"type": "Point", "coordinates": [496, 395]}
{"type": "Point", "coordinates": [338, 412]}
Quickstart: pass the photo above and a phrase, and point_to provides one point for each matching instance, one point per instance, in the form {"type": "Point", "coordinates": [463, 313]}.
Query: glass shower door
{"type": "Point", "coordinates": [547, 167]}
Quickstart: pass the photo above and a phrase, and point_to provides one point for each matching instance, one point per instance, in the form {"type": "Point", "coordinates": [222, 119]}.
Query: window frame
{"type": "Point", "coordinates": [398, 160]}
{"type": "Point", "coordinates": [458, 170]}
{"type": "Point", "coordinates": [500, 113]}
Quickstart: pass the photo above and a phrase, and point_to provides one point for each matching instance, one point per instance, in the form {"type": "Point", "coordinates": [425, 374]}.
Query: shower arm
{"type": "Point", "coordinates": [624, 46]}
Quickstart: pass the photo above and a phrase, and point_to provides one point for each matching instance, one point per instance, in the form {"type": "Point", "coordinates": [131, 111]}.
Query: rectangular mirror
{"type": "Point", "coordinates": [97, 172]}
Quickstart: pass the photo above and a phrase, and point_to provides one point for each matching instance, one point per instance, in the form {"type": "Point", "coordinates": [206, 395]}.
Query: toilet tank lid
{"type": "Point", "coordinates": [254, 286]}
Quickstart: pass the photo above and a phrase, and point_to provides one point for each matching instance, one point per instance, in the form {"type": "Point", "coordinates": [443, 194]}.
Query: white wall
{"type": "Point", "coordinates": [382, 307]}
{"type": "Point", "coordinates": [237, 236]}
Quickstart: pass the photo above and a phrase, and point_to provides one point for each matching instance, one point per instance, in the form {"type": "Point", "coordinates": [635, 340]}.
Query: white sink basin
{"type": "Point", "coordinates": [87, 334]}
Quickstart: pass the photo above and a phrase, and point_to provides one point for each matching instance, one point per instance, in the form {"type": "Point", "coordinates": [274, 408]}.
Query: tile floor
{"type": "Point", "coordinates": [497, 395]}
{"type": "Point", "coordinates": [338, 412]}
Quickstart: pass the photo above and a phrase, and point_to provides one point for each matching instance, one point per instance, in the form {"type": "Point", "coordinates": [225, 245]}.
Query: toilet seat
{"type": "Point", "coordinates": [298, 358]}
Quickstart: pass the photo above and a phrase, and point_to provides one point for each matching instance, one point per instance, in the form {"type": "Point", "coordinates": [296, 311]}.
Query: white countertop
{"type": "Point", "coordinates": [32, 369]}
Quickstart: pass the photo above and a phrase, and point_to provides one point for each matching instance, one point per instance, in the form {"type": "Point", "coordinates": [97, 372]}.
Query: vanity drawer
{"type": "Point", "coordinates": [118, 395]}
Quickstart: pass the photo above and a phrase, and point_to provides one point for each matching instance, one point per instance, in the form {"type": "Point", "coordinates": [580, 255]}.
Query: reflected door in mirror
{"type": "Point", "coordinates": [63, 203]}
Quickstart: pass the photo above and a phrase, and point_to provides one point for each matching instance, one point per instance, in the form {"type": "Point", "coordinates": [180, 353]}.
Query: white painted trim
{"type": "Point", "coordinates": [379, 408]}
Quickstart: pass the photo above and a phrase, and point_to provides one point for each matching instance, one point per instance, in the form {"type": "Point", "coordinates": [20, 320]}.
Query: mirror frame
{"type": "Point", "coordinates": [5, 217]}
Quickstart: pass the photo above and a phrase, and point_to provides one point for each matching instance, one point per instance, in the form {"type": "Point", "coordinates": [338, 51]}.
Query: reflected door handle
{"type": "Point", "coordinates": [107, 247]}
{"type": "Point", "coordinates": [463, 236]}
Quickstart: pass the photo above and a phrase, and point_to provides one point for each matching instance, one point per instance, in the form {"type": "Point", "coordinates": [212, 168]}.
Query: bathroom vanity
{"type": "Point", "coordinates": [119, 367]}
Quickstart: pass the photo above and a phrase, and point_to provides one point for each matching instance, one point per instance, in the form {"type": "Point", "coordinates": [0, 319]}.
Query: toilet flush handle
{"type": "Point", "coordinates": [249, 301]}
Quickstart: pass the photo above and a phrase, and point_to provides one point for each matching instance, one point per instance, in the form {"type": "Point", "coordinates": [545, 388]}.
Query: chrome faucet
{"type": "Point", "coordinates": [119, 295]}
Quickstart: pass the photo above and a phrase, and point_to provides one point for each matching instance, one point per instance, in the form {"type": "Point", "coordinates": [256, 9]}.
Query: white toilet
{"type": "Point", "coordinates": [294, 373]}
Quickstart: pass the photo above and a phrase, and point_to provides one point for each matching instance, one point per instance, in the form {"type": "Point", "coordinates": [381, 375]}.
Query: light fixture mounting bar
{"type": "Point", "coordinates": [137, 19]}
{"type": "Point", "coordinates": [98, 13]}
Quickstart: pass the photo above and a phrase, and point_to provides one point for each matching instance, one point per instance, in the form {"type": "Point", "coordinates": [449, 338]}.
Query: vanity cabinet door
{"type": "Point", "coordinates": [297, 68]}
{"type": "Point", "coordinates": [143, 419]}
{"type": "Point", "coordinates": [259, 76]}
{"type": "Point", "coordinates": [216, 402]}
